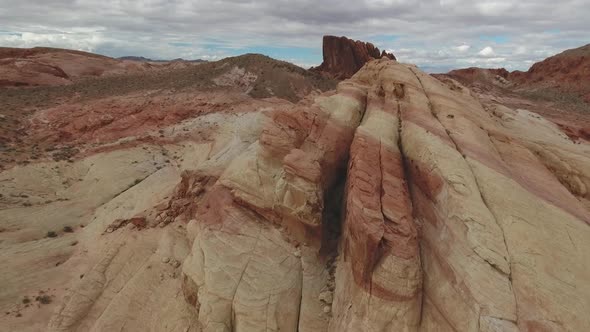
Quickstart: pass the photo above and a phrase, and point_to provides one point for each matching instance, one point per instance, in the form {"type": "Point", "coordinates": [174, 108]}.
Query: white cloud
{"type": "Point", "coordinates": [428, 33]}
{"type": "Point", "coordinates": [520, 50]}
{"type": "Point", "coordinates": [487, 51]}
{"type": "Point", "coordinates": [494, 7]}
{"type": "Point", "coordinates": [463, 48]}
{"type": "Point", "coordinates": [78, 40]}
{"type": "Point", "coordinates": [495, 60]}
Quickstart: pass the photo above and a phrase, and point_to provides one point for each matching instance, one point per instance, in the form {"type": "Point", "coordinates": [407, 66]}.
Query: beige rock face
{"type": "Point", "coordinates": [438, 231]}
{"type": "Point", "coordinates": [91, 274]}
{"type": "Point", "coordinates": [391, 204]}
{"type": "Point", "coordinates": [513, 213]}
{"type": "Point", "coordinates": [261, 225]}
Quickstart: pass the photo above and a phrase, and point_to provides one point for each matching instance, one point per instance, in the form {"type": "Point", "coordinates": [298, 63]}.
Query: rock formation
{"type": "Point", "coordinates": [438, 231]}
{"type": "Point", "coordinates": [395, 202]}
{"type": "Point", "coordinates": [343, 57]}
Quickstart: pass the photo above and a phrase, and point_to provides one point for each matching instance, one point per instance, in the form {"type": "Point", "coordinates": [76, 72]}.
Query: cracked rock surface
{"type": "Point", "coordinates": [393, 203]}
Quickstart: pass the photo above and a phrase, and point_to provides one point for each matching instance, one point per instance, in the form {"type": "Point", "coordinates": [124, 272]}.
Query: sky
{"type": "Point", "coordinates": [436, 35]}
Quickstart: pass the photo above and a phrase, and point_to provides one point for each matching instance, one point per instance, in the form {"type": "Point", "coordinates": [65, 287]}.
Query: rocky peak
{"type": "Point", "coordinates": [343, 57]}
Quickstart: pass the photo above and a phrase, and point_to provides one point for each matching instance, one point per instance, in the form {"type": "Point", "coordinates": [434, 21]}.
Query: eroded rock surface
{"type": "Point", "coordinates": [438, 201]}
{"type": "Point", "coordinates": [393, 203]}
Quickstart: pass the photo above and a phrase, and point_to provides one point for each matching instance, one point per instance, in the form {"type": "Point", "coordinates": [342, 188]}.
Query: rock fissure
{"type": "Point", "coordinates": [131, 186]}
{"type": "Point", "coordinates": [407, 181]}
{"type": "Point", "coordinates": [126, 284]}
{"type": "Point", "coordinates": [82, 298]}
{"type": "Point", "coordinates": [300, 299]}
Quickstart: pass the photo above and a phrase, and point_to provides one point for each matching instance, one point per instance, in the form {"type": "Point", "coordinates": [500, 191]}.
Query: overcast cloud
{"type": "Point", "coordinates": [436, 35]}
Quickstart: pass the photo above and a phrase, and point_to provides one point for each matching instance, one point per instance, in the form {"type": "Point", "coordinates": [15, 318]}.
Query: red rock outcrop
{"type": "Point", "coordinates": [114, 118]}
{"type": "Point", "coordinates": [474, 74]}
{"type": "Point", "coordinates": [343, 57]}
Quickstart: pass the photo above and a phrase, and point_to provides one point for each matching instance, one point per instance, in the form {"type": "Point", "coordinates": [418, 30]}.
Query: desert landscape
{"type": "Point", "coordinates": [250, 194]}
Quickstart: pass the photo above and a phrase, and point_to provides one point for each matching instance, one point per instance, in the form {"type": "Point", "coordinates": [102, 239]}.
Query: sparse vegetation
{"type": "Point", "coordinates": [68, 229]}
{"type": "Point", "coordinates": [564, 100]}
{"type": "Point", "coordinates": [43, 299]}
{"type": "Point", "coordinates": [51, 234]}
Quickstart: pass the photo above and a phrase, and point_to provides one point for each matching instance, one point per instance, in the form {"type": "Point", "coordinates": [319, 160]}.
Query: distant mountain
{"type": "Point", "coordinates": [14, 52]}
{"type": "Point", "coordinates": [567, 73]}
{"type": "Point", "coordinates": [55, 66]}
{"type": "Point", "coordinates": [45, 66]}
{"type": "Point", "coordinates": [144, 59]}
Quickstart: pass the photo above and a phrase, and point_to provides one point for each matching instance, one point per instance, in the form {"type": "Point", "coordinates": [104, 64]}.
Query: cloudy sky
{"type": "Point", "coordinates": [437, 35]}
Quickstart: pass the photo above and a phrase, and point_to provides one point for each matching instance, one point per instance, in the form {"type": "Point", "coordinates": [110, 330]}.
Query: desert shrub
{"type": "Point", "coordinates": [43, 299]}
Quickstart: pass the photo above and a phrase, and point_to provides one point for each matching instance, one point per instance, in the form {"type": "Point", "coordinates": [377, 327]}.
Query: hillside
{"type": "Point", "coordinates": [567, 72]}
{"type": "Point", "coordinates": [144, 59]}
{"type": "Point", "coordinates": [42, 66]}
{"type": "Point", "coordinates": [563, 76]}
{"type": "Point", "coordinates": [557, 88]}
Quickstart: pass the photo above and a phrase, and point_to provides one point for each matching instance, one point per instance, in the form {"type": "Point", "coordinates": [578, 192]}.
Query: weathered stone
{"type": "Point", "coordinates": [326, 297]}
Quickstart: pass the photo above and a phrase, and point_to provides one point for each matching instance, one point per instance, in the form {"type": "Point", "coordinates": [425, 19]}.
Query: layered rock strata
{"type": "Point", "coordinates": [438, 232]}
